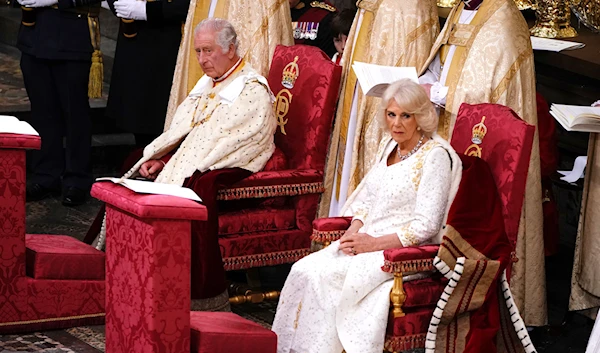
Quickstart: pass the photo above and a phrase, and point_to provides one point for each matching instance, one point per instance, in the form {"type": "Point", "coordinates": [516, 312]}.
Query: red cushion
{"type": "Point", "coordinates": [276, 162]}
{"type": "Point", "coordinates": [62, 257]}
{"type": "Point", "coordinates": [408, 332]}
{"type": "Point", "coordinates": [255, 220]}
{"type": "Point", "coordinates": [18, 141]}
{"type": "Point", "coordinates": [218, 332]}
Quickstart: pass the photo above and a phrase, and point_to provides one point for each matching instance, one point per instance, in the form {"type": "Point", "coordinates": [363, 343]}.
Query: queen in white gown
{"type": "Point", "coordinates": [338, 298]}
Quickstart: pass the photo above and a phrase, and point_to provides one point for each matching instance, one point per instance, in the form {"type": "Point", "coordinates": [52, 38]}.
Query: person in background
{"type": "Point", "coordinates": [484, 55]}
{"type": "Point", "coordinates": [340, 28]}
{"type": "Point", "coordinates": [56, 57]}
{"type": "Point", "coordinates": [145, 59]}
{"type": "Point", "coordinates": [311, 23]}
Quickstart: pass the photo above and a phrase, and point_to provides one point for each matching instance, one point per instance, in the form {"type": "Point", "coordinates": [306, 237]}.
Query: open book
{"type": "Point", "coordinates": [149, 187]}
{"type": "Point", "coordinates": [553, 44]}
{"type": "Point", "coordinates": [374, 79]}
{"type": "Point", "coordinates": [577, 118]}
{"type": "Point", "coordinates": [12, 125]}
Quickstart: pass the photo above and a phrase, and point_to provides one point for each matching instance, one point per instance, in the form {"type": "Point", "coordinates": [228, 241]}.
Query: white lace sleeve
{"type": "Point", "coordinates": [432, 197]}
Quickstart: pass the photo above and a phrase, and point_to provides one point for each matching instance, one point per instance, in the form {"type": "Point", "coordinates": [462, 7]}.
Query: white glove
{"type": "Point", "coordinates": [37, 3]}
{"type": "Point", "coordinates": [134, 9]}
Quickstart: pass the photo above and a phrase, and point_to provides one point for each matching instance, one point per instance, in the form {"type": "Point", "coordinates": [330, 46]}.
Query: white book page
{"type": "Point", "coordinates": [149, 187]}
{"type": "Point", "coordinates": [554, 44]}
{"type": "Point", "coordinates": [12, 125]}
{"type": "Point", "coordinates": [370, 76]}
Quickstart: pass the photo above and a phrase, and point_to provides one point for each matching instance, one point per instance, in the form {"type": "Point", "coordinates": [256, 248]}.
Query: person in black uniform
{"type": "Point", "coordinates": [311, 21]}
{"type": "Point", "coordinates": [56, 48]}
{"type": "Point", "coordinates": [144, 65]}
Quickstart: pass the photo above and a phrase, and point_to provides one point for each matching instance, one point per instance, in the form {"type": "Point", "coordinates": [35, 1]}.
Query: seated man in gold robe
{"type": "Point", "coordinates": [225, 126]}
{"type": "Point", "coordinates": [483, 55]}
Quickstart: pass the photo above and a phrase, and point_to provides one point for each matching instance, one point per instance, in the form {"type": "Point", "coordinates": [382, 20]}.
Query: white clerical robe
{"type": "Point", "coordinates": [333, 302]}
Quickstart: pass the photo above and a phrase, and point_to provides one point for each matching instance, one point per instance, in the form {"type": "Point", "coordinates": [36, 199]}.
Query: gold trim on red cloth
{"type": "Point", "coordinates": [324, 236]}
{"type": "Point", "coordinates": [252, 192]}
{"type": "Point", "coordinates": [260, 260]}
{"type": "Point", "coordinates": [28, 322]}
{"type": "Point", "coordinates": [420, 265]}
{"type": "Point", "coordinates": [404, 343]}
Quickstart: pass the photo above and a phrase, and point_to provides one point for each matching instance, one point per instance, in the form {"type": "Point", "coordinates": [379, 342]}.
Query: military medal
{"type": "Point", "coordinates": [314, 31]}
{"type": "Point", "coordinates": [297, 33]}
{"type": "Point", "coordinates": [303, 30]}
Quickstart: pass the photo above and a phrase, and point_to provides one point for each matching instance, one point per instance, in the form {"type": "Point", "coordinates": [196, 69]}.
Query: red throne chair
{"type": "Point", "coordinates": [506, 147]}
{"type": "Point", "coordinates": [46, 281]}
{"type": "Point", "coordinates": [274, 222]}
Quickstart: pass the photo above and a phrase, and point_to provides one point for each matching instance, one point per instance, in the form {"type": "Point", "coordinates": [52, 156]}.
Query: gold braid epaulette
{"type": "Point", "coordinates": [322, 5]}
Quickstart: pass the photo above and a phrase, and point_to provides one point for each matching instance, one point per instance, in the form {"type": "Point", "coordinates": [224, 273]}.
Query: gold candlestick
{"type": "Point", "coordinates": [553, 19]}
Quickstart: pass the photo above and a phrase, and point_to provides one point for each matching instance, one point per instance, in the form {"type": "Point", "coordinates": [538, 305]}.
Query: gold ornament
{"type": "Point", "coordinates": [553, 19]}
{"type": "Point", "coordinates": [523, 4]}
{"type": "Point", "coordinates": [447, 3]}
{"type": "Point", "coordinates": [588, 12]}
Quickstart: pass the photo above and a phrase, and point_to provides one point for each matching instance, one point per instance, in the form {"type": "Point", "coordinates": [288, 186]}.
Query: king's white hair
{"type": "Point", "coordinates": [225, 33]}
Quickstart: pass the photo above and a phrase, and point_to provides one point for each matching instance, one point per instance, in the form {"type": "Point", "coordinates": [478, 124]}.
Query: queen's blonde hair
{"type": "Point", "coordinates": [413, 99]}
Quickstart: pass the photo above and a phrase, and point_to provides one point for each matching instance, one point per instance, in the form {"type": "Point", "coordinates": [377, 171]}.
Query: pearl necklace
{"type": "Point", "coordinates": [415, 149]}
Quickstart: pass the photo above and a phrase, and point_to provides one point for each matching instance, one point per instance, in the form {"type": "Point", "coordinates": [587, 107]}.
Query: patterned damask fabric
{"type": "Point", "coordinates": [13, 283]}
{"type": "Point", "coordinates": [311, 107]}
{"type": "Point", "coordinates": [28, 304]}
{"type": "Point", "coordinates": [221, 332]}
{"type": "Point", "coordinates": [506, 148]}
{"type": "Point", "coordinates": [263, 243]}
{"type": "Point", "coordinates": [256, 220]}
{"type": "Point", "coordinates": [62, 257]}
{"type": "Point", "coordinates": [148, 284]}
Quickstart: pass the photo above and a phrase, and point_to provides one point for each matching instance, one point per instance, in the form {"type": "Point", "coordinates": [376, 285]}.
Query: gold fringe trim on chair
{"type": "Point", "coordinates": [420, 265]}
{"type": "Point", "coordinates": [261, 260]}
{"type": "Point", "coordinates": [97, 69]}
{"type": "Point", "coordinates": [404, 343]}
{"type": "Point", "coordinates": [253, 192]}
{"type": "Point", "coordinates": [326, 236]}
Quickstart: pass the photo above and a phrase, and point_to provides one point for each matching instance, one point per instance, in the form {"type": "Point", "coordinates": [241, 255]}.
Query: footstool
{"type": "Point", "coordinates": [222, 332]}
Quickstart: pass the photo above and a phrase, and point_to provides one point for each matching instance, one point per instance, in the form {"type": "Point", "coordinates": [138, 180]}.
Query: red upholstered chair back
{"type": "Point", "coordinates": [306, 83]}
{"type": "Point", "coordinates": [496, 134]}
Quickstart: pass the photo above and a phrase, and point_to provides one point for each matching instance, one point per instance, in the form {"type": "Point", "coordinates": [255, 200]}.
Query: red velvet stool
{"type": "Point", "coordinates": [218, 332]}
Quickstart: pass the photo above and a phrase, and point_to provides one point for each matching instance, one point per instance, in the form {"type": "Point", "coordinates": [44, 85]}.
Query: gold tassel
{"type": "Point", "coordinates": [97, 69]}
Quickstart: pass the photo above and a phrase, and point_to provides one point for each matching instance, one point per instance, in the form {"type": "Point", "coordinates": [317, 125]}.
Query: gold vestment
{"type": "Point", "coordinates": [493, 63]}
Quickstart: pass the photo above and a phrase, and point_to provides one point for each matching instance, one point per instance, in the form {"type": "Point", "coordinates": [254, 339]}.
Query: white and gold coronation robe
{"type": "Point", "coordinates": [384, 32]}
{"type": "Point", "coordinates": [331, 301]}
{"type": "Point", "coordinates": [260, 26]}
{"type": "Point", "coordinates": [490, 60]}
{"type": "Point", "coordinates": [219, 125]}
